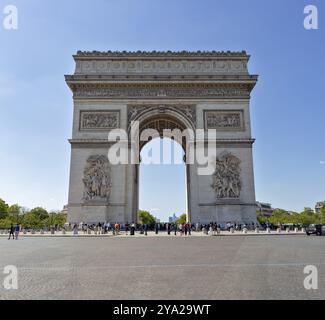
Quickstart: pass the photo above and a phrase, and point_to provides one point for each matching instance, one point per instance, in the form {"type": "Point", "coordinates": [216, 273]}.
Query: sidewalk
{"type": "Point", "coordinates": [160, 234]}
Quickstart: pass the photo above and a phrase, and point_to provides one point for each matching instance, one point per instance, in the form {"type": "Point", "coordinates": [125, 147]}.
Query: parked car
{"type": "Point", "coordinates": [317, 229]}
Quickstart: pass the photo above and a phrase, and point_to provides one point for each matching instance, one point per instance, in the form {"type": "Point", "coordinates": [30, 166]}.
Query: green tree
{"type": "Point", "coordinates": [39, 213]}
{"type": "Point", "coordinates": [3, 209]}
{"type": "Point", "coordinates": [182, 219]}
{"type": "Point", "coordinates": [55, 219]}
{"type": "Point", "coordinates": [60, 219]}
{"type": "Point", "coordinates": [5, 223]}
{"type": "Point", "coordinates": [308, 217]}
{"type": "Point", "coordinates": [14, 211]}
{"type": "Point", "coordinates": [321, 217]}
{"type": "Point", "coordinates": [322, 210]}
{"type": "Point", "coordinates": [279, 216]}
{"type": "Point", "coordinates": [145, 217]}
{"type": "Point", "coordinates": [31, 221]}
{"type": "Point", "coordinates": [260, 217]}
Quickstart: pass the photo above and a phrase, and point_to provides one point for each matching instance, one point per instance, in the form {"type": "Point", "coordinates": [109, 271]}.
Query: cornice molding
{"type": "Point", "coordinates": [146, 78]}
{"type": "Point", "coordinates": [105, 141]}
{"type": "Point", "coordinates": [161, 90]}
{"type": "Point", "coordinates": [164, 54]}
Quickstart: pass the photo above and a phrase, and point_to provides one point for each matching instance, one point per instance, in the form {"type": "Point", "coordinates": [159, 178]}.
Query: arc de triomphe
{"type": "Point", "coordinates": [161, 90]}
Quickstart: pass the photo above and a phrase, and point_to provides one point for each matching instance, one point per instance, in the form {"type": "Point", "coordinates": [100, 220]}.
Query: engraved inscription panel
{"type": "Point", "coordinates": [121, 66]}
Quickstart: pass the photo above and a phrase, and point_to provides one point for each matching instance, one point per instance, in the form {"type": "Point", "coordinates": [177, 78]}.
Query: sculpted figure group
{"type": "Point", "coordinates": [227, 182]}
{"type": "Point", "coordinates": [97, 178]}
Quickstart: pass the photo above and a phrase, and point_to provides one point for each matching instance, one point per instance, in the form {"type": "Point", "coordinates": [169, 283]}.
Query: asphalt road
{"type": "Point", "coordinates": [241, 267]}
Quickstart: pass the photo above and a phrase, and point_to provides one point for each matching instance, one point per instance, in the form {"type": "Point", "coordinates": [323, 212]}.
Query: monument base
{"type": "Point", "coordinates": [95, 213]}
{"type": "Point", "coordinates": [224, 213]}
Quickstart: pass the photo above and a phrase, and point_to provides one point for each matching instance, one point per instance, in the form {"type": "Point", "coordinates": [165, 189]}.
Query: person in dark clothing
{"type": "Point", "coordinates": [157, 228]}
{"type": "Point", "coordinates": [175, 229]}
{"type": "Point", "coordinates": [168, 228]}
{"type": "Point", "coordinates": [127, 227]}
{"type": "Point", "coordinates": [146, 229]}
{"type": "Point", "coordinates": [12, 232]}
{"type": "Point", "coordinates": [132, 229]}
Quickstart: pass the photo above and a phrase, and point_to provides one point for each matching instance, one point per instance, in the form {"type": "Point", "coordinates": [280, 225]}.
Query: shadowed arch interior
{"type": "Point", "coordinates": [161, 123]}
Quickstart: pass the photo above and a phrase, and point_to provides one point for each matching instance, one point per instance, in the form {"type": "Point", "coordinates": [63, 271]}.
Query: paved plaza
{"type": "Point", "coordinates": [239, 267]}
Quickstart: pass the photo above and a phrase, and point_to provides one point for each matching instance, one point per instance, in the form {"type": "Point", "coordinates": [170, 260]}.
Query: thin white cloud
{"type": "Point", "coordinates": [322, 162]}
{"type": "Point", "coordinates": [155, 209]}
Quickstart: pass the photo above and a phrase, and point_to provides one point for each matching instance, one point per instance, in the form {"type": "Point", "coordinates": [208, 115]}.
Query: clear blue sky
{"type": "Point", "coordinates": [287, 107]}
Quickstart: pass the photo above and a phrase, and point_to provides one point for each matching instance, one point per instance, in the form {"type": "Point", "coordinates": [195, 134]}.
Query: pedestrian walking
{"type": "Point", "coordinates": [132, 229]}
{"type": "Point", "coordinates": [117, 228]}
{"type": "Point", "coordinates": [181, 228]}
{"type": "Point", "coordinates": [75, 229]}
{"type": "Point", "coordinates": [168, 228]}
{"type": "Point", "coordinates": [12, 232]}
{"type": "Point", "coordinates": [17, 230]}
{"type": "Point", "coordinates": [157, 228]}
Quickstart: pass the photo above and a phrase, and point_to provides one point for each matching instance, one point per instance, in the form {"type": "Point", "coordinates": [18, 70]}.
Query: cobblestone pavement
{"type": "Point", "coordinates": [241, 267]}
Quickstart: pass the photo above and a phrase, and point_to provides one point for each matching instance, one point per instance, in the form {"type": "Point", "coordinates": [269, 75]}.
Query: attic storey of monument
{"type": "Point", "coordinates": [161, 90]}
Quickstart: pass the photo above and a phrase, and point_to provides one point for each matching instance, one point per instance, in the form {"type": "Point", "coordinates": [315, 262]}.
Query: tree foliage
{"type": "Point", "coordinates": [55, 219]}
{"type": "Point", "coordinates": [3, 209]}
{"type": "Point", "coordinates": [35, 218]}
{"type": "Point", "coordinates": [182, 219]}
{"type": "Point", "coordinates": [280, 216]}
{"type": "Point", "coordinates": [5, 222]}
{"type": "Point", "coordinates": [14, 210]}
{"type": "Point", "coordinates": [145, 217]}
{"type": "Point", "coordinates": [39, 213]}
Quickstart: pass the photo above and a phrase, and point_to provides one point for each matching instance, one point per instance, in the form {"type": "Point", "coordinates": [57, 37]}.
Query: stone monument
{"type": "Point", "coordinates": [161, 90]}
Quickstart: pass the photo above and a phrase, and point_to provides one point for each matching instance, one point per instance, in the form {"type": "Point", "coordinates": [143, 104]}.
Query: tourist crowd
{"type": "Point", "coordinates": [171, 228]}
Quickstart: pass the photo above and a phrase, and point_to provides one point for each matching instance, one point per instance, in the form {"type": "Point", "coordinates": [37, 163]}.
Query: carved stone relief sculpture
{"type": "Point", "coordinates": [189, 111]}
{"type": "Point", "coordinates": [99, 120]}
{"type": "Point", "coordinates": [227, 181]}
{"type": "Point", "coordinates": [97, 180]}
{"type": "Point", "coordinates": [160, 91]}
{"type": "Point", "coordinates": [224, 120]}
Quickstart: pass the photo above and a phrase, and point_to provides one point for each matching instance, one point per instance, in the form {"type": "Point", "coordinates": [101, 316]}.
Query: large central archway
{"type": "Point", "coordinates": [164, 123]}
{"type": "Point", "coordinates": [162, 179]}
